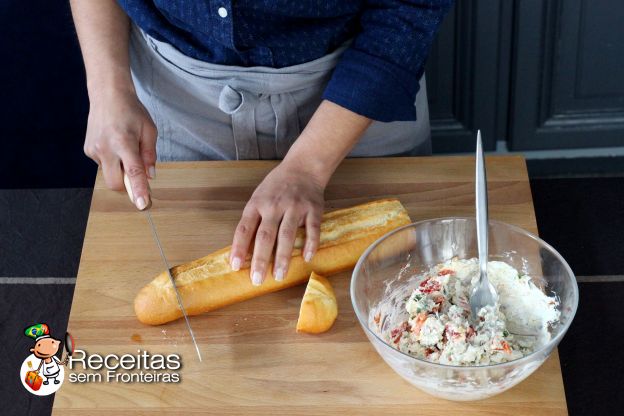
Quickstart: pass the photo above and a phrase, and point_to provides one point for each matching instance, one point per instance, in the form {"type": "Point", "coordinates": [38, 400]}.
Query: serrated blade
{"type": "Point", "coordinates": [175, 288]}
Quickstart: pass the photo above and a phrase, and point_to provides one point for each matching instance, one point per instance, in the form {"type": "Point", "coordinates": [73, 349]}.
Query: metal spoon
{"type": "Point", "coordinates": [483, 294]}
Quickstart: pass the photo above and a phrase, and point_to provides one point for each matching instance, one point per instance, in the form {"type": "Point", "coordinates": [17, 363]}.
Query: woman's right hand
{"type": "Point", "coordinates": [121, 137]}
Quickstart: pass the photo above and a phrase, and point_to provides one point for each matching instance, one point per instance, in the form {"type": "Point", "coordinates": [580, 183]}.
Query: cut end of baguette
{"type": "Point", "coordinates": [319, 307]}
{"type": "Point", "coordinates": [151, 311]}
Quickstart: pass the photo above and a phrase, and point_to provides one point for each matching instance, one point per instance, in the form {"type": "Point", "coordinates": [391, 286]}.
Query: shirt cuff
{"type": "Point", "coordinates": [373, 87]}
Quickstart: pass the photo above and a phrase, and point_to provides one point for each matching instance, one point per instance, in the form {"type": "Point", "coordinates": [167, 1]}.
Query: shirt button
{"type": "Point", "coordinates": [222, 12]}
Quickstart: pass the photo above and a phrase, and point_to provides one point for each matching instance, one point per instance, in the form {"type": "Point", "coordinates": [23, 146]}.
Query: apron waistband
{"type": "Point", "coordinates": [241, 89]}
{"type": "Point", "coordinates": [258, 79]}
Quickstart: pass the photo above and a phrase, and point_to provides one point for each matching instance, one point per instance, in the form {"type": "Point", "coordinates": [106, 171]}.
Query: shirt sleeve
{"type": "Point", "coordinates": [378, 74]}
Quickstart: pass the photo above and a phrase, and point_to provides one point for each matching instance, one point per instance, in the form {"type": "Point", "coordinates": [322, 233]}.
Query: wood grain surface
{"type": "Point", "coordinates": [254, 361]}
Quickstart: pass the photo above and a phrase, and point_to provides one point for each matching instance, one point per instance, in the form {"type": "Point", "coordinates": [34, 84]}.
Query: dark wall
{"type": "Point", "coordinates": [468, 76]}
{"type": "Point", "coordinates": [538, 74]}
{"type": "Point", "coordinates": [43, 104]}
{"type": "Point", "coordinates": [571, 93]}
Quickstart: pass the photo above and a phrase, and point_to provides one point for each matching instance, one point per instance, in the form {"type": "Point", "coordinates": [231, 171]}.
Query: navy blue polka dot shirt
{"type": "Point", "coordinates": [377, 76]}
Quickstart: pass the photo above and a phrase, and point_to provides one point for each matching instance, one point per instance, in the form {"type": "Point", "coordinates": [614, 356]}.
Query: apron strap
{"type": "Point", "coordinates": [240, 105]}
{"type": "Point", "coordinates": [286, 122]}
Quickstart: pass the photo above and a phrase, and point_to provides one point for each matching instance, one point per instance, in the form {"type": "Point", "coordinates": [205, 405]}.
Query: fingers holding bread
{"type": "Point", "coordinates": [285, 243]}
{"type": "Point", "coordinates": [313, 225]}
{"type": "Point", "coordinates": [245, 231]}
{"type": "Point", "coordinates": [263, 249]}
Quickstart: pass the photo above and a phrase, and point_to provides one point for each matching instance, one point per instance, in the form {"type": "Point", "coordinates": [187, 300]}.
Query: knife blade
{"type": "Point", "coordinates": [148, 214]}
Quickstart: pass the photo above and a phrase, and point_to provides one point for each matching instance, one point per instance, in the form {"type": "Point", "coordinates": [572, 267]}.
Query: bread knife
{"type": "Point", "coordinates": [164, 259]}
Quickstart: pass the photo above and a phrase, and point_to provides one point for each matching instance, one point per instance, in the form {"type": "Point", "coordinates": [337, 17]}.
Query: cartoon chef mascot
{"type": "Point", "coordinates": [45, 349]}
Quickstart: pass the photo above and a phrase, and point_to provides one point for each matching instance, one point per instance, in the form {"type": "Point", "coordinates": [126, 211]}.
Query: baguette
{"type": "Point", "coordinates": [209, 283]}
{"type": "Point", "coordinates": [319, 308]}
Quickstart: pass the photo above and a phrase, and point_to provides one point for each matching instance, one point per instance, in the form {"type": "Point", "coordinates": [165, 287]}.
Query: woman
{"type": "Point", "coordinates": [307, 82]}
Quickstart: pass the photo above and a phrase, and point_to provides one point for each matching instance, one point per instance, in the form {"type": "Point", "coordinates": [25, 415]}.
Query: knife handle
{"type": "Point", "coordinates": [126, 181]}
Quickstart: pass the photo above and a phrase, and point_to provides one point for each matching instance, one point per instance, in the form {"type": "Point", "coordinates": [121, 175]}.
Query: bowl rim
{"type": "Point", "coordinates": [551, 344]}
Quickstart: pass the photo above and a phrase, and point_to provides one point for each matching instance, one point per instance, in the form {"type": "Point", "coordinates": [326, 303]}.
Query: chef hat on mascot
{"type": "Point", "coordinates": [38, 331]}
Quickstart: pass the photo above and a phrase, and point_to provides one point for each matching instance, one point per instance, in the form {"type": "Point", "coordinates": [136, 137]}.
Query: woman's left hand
{"type": "Point", "coordinates": [289, 197]}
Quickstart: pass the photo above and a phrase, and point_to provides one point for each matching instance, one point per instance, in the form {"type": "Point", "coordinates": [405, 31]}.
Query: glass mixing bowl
{"type": "Point", "coordinates": [388, 264]}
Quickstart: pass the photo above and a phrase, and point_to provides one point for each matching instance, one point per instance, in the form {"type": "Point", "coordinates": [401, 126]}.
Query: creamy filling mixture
{"type": "Point", "coordinates": [439, 327]}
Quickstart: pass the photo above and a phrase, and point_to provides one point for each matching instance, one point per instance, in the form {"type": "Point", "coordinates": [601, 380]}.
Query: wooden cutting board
{"type": "Point", "coordinates": [254, 362]}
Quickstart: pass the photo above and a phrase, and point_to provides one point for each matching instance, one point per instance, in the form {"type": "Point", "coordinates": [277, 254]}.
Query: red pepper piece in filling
{"type": "Point", "coordinates": [420, 321]}
{"type": "Point", "coordinates": [449, 332]}
{"type": "Point", "coordinates": [424, 282]}
{"type": "Point", "coordinates": [397, 332]}
{"type": "Point", "coordinates": [470, 332]}
{"type": "Point", "coordinates": [504, 347]}
{"type": "Point", "coordinates": [438, 300]}
{"type": "Point", "coordinates": [432, 286]}
{"type": "Point", "coordinates": [428, 285]}
{"type": "Point", "coordinates": [445, 272]}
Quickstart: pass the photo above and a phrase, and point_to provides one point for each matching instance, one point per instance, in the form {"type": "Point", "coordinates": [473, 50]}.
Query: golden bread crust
{"type": "Point", "coordinates": [319, 308]}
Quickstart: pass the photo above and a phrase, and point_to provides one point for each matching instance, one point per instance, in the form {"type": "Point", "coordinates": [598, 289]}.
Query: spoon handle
{"type": "Point", "coordinates": [482, 208]}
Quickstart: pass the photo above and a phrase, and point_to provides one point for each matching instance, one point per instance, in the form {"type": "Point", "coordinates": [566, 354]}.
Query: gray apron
{"type": "Point", "coordinates": [204, 111]}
